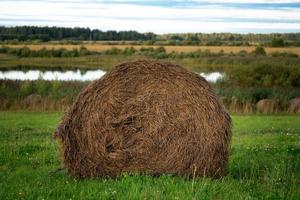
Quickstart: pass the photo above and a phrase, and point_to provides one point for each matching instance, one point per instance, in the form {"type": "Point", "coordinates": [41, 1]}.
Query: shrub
{"type": "Point", "coordinates": [277, 42]}
{"type": "Point", "coordinates": [259, 51]}
{"type": "Point", "coordinates": [160, 50]}
{"type": "Point", "coordinates": [26, 88]}
{"type": "Point", "coordinates": [284, 54]}
{"type": "Point", "coordinates": [128, 51]}
{"type": "Point", "coordinates": [265, 75]}
{"type": "Point", "coordinates": [113, 51]}
{"type": "Point", "coordinates": [42, 87]}
{"type": "Point", "coordinates": [83, 51]}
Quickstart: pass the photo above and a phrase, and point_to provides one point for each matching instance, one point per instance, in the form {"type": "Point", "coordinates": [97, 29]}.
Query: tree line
{"type": "Point", "coordinates": [24, 33]}
{"type": "Point", "coordinates": [44, 34]}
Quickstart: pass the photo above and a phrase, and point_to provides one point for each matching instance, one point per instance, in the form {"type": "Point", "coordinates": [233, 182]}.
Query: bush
{"type": "Point", "coordinates": [265, 75]}
{"type": "Point", "coordinates": [259, 51]}
{"type": "Point", "coordinates": [128, 51]}
{"type": "Point", "coordinates": [160, 50]}
{"type": "Point", "coordinates": [26, 52]}
{"type": "Point", "coordinates": [254, 94]}
{"type": "Point", "coordinates": [277, 42]}
{"type": "Point", "coordinates": [42, 87]}
{"type": "Point", "coordinates": [26, 88]}
{"type": "Point", "coordinates": [284, 54]}
{"type": "Point", "coordinates": [83, 51]}
{"type": "Point", "coordinates": [113, 51]}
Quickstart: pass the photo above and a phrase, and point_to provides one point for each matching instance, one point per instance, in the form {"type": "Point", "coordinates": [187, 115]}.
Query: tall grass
{"type": "Point", "coordinates": [12, 90]}
{"type": "Point", "coordinates": [254, 94]}
{"type": "Point", "coordinates": [13, 93]}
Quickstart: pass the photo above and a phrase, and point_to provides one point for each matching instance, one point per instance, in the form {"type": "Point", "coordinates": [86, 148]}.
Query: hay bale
{"type": "Point", "coordinates": [149, 117]}
{"type": "Point", "coordinates": [267, 106]}
{"type": "Point", "coordinates": [294, 106]}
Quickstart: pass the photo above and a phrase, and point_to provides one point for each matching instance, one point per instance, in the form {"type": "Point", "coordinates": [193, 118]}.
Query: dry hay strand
{"type": "Point", "coordinates": [247, 107]}
{"type": "Point", "coordinates": [234, 105]}
{"type": "Point", "coordinates": [3, 103]}
{"type": "Point", "coordinates": [225, 101]}
{"type": "Point", "coordinates": [294, 106]}
{"type": "Point", "coordinates": [149, 117]}
{"type": "Point", "coordinates": [65, 104]}
{"type": "Point", "coordinates": [267, 106]}
{"type": "Point", "coordinates": [32, 101]}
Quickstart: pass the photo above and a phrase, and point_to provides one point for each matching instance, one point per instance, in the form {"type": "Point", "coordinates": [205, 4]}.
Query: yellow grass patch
{"type": "Point", "coordinates": [103, 47]}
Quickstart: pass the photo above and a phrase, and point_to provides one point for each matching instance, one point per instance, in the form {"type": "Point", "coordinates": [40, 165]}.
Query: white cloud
{"type": "Point", "coordinates": [147, 18]}
{"type": "Point", "coordinates": [251, 1]}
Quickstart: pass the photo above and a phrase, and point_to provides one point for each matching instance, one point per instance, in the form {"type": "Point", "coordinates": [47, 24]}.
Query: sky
{"type": "Point", "coordinates": [169, 16]}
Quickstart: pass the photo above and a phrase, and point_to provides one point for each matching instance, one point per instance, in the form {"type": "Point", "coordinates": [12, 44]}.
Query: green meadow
{"type": "Point", "coordinates": [264, 164]}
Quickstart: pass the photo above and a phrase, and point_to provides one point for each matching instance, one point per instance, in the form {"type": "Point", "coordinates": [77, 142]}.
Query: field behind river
{"type": "Point", "coordinates": [103, 47]}
{"type": "Point", "coordinates": [265, 164]}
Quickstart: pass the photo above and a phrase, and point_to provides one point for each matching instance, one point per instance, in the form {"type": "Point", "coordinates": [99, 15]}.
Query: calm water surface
{"type": "Point", "coordinates": [77, 75]}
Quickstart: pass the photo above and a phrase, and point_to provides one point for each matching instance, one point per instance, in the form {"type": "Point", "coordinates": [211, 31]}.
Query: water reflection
{"type": "Point", "coordinates": [212, 77]}
{"type": "Point", "coordinates": [52, 75]}
{"type": "Point", "coordinates": [77, 75]}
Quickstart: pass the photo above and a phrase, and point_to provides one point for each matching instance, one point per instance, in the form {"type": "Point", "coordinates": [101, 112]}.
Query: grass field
{"type": "Point", "coordinates": [265, 164]}
{"type": "Point", "coordinates": [103, 47]}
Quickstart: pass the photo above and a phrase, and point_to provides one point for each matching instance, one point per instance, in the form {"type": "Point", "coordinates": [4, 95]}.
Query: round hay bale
{"type": "Point", "coordinates": [149, 117]}
{"type": "Point", "coordinates": [267, 106]}
{"type": "Point", "coordinates": [294, 106]}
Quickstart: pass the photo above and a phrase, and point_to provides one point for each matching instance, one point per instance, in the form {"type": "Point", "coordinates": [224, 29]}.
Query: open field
{"type": "Point", "coordinates": [265, 164]}
{"type": "Point", "coordinates": [102, 47]}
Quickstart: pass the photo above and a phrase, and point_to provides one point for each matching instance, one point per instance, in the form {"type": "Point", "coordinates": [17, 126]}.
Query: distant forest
{"type": "Point", "coordinates": [45, 34]}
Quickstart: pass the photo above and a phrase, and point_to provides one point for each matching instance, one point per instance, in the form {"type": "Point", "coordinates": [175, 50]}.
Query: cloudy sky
{"type": "Point", "coordinates": [169, 16]}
